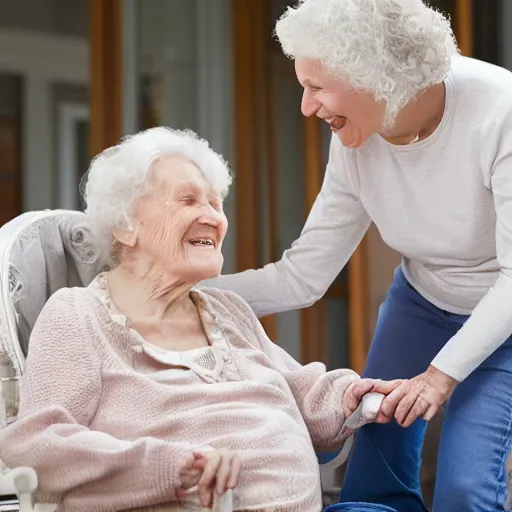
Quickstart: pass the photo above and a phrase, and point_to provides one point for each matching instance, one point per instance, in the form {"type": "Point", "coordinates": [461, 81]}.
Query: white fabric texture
{"type": "Point", "coordinates": [444, 203]}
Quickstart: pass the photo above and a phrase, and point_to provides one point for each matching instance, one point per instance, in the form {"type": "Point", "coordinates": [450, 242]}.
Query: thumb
{"type": "Point", "coordinates": [362, 387]}
{"type": "Point", "coordinates": [187, 460]}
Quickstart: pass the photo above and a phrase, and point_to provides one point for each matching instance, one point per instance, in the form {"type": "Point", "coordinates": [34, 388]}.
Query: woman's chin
{"type": "Point", "coordinates": [202, 269]}
{"type": "Point", "coordinates": [351, 137]}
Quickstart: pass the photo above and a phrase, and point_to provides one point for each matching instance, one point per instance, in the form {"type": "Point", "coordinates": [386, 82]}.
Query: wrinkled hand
{"type": "Point", "coordinates": [209, 471]}
{"type": "Point", "coordinates": [360, 387]}
{"type": "Point", "coordinates": [421, 396]}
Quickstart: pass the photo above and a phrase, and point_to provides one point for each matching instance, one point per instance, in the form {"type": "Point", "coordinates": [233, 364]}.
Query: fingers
{"type": "Point", "coordinates": [390, 403]}
{"type": "Point", "coordinates": [431, 412]}
{"type": "Point", "coordinates": [386, 386]}
{"type": "Point", "coordinates": [405, 405]}
{"type": "Point", "coordinates": [354, 394]}
{"type": "Point", "coordinates": [207, 480]}
{"type": "Point", "coordinates": [227, 475]}
{"type": "Point", "coordinates": [361, 387]}
{"type": "Point", "coordinates": [221, 479]}
{"type": "Point", "coordinates": [187, 461]}
{"type": "Point", "coordinates": [418, 410]}
{"type": "Point", "coordinates": [221, 472]}
{"type": "Point", "coordinates": [236, 465]}
{"type": "Point", "coordinates": [189, 473]}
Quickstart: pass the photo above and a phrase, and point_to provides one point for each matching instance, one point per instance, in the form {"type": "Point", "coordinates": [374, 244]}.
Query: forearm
{"type": "Point", "coordinates": [484, 332]}
{"type": "Point", "coordinates": [269, 290]}
{"type": "Point", "coordinates": [75, 462]}
{"type": "Point", "coordinates": [319, 395]}
{"type": "Point", "coordinates": [334, 228]}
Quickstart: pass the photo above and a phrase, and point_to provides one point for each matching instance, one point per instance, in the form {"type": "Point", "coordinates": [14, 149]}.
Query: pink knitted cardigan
{"type": "Point", "coordinates": [105, 425]}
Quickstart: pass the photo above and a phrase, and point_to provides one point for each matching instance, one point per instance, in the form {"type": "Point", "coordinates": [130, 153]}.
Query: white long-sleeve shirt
{"type": "Point", "coordinates": [444, 203]}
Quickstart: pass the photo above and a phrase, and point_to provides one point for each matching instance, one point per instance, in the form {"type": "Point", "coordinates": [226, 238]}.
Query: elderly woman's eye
{"type": "Point", "coordinates": [189, 201]}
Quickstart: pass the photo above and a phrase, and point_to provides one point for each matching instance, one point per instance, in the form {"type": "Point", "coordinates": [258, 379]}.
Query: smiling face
{"type": "Point", "coordinates": [352, 115]}
{"type": "Point", "coordinates": [180, 221]}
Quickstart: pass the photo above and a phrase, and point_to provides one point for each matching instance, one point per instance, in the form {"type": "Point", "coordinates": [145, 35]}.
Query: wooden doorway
{"type": "Point", "coordinates": [258, 142]}
{"type": "Point", "coordinates": [105, 30]}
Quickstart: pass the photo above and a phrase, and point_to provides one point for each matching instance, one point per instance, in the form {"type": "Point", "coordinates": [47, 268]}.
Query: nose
{"type": "Point", "coordinates": [309, 105]}
{"type": "Point", "coordinates": [211, 217]}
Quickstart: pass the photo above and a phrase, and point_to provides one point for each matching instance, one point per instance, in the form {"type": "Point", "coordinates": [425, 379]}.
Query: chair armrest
{"type": "Point", "coordinates": [23, 483]}
{"type": "Point", "coordinates": [224, 503]}
{"type": "Point", "coordinates": [367, 411]}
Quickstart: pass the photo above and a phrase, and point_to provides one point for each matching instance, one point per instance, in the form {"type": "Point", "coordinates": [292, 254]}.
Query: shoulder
{"type": "Point", "coordinates": [227, 305]}
{"type": "Point", "coordinates": [66, 301]}
{"type": "Point", "coordinates": [223, 300]}
{"type": "Point", "coordinates": [481, 88]}
{"type": "Point", "coordinates": [66, 314]}
{"type": "Point", "coordinates": [467, 70]}
{"type": "Point", "coordinates": [63, 338]}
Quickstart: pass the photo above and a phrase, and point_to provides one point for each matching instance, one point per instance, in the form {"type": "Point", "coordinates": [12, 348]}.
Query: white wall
{"type": "Point", "coordinates": [187, 46]}
{"type": "Point", "coordinates": [41, 60]}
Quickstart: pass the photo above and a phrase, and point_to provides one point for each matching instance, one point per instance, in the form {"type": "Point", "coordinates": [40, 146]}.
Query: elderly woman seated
{"type": "Point", "coordinates": [145, 389]}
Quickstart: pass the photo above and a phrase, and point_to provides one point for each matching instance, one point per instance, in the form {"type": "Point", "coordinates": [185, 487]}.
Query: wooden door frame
{"type": "Point", "coordinates": [105, 39]}
{"type": "Point", "coordinates": [252, 131]}
{"type": "Point", "coordinates": [464, 26]}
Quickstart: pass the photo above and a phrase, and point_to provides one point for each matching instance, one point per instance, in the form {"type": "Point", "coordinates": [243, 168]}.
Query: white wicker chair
{"type": "Point", "coordinates": [41, 252]}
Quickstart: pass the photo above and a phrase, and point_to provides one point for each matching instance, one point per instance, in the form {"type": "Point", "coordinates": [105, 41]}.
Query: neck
{"type": "Point", "coordinates": [419, 118]}
{"type": "Point", "coordinates": [146, 293]}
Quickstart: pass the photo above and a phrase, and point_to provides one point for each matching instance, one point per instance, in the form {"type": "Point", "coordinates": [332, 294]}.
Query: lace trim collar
{"type": "Point", "coordinates": [213, 363]}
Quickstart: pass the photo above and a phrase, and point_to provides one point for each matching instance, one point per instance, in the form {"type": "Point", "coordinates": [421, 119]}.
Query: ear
{"type": "Point", "coordinates": [126, 236]}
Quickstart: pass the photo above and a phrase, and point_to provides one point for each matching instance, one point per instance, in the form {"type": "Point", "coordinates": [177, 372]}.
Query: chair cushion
{"type": "Point", "coordinates": [41, 252]}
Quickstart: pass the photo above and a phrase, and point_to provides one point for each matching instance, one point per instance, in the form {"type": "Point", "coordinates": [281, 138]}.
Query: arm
{"type": "Point", "coordinates": [319, 394]}
{"type": "Point", "coordinates": [491, 321]}
{"type": "Point", "coordinates": [333, 230]}
{"type": "Point", "coordinates": [60, 392]}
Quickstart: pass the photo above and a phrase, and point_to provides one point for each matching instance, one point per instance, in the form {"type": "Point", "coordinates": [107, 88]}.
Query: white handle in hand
{"type": "Point", "coordinates": [224, 503]}
{"type": "Point", "coordinates": [371, 405]}
{"type": "Point", "coordinates": [367, 410]}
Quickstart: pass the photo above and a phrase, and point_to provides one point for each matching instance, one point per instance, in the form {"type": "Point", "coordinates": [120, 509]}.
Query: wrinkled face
{"type": "Point", "coordinates": [352, 115]}
{"type": "Point", "coordinates": [181, 223]}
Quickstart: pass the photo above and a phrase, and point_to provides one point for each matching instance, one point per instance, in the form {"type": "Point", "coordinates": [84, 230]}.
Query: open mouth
{"type": "Point", "coordinates": [202, 242]}
{"type": "Point", "coordinates": [337, 123]}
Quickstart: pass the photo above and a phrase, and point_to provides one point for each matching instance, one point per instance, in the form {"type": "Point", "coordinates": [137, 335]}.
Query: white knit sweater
{"type": "Point", "coordinates": [444, 203]}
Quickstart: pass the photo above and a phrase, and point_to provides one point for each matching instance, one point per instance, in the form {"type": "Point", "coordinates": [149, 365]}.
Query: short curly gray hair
{"type": "Point", "coordinates": [117, 176]}
{"type": "Point", "coordinates": [391, 48]}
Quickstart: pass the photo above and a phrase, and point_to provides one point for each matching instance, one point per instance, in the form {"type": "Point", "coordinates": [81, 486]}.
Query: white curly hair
{"type": "Point", "coordinates": [118, 175]}
{"type": "Point", "coordinates": [392, 48]}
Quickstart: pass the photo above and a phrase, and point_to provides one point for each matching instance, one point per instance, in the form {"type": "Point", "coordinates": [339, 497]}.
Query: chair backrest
{"type": "Point", "coordinates": [41, 252]}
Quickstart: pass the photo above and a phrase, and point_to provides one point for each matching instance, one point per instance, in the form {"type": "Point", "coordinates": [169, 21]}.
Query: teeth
{"type": "Point", "coordinates": [202, 241]}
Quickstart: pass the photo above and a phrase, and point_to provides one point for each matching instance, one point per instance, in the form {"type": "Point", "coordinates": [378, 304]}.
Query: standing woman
{"type": "Point", "coordinates": [421, 146]}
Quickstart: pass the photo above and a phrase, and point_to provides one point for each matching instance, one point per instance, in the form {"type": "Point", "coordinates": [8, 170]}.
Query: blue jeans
{"type": "Point", "coordinates": [476, 438]}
